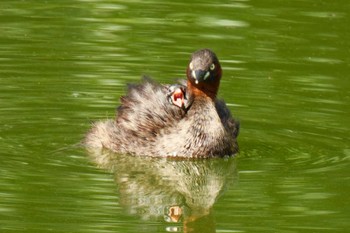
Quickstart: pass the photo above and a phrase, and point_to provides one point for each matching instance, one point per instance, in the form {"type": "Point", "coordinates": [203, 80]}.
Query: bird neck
{"type": "Point", "coordinates": [203, 90]}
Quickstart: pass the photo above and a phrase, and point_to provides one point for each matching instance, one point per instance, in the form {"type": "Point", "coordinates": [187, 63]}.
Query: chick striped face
{"type": "Point", "coordinates": [204, 67]}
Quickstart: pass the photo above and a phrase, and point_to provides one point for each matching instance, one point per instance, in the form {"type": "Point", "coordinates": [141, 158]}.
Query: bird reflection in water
{"type": "Point", "coordinates": [173, 191]}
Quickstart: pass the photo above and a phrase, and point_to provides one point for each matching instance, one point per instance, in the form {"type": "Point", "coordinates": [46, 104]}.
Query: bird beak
{"type": "Point", "coordinates": [200, 75]}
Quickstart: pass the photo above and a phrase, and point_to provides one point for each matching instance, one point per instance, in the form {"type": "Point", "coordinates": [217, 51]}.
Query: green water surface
{"type": "Point", "coordinates": [64, 64]}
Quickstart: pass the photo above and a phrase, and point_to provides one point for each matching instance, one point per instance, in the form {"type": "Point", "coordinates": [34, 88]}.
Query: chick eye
{"type": "Point", "coordinates": [212, 66]}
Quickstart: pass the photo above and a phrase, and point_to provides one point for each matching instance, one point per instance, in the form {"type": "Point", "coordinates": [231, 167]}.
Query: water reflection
{"type": "Point", "coordinates": [180, 192]}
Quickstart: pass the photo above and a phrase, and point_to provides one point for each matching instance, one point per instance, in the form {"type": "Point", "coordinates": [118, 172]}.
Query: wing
{"type": "Point", "coordinates": [230, 124]}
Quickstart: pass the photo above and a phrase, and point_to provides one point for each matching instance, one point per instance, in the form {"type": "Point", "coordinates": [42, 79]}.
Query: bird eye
{"type": "Point", "coordinates": [191, 66]}
{"type": "Point", "coordinates": [212, 66]}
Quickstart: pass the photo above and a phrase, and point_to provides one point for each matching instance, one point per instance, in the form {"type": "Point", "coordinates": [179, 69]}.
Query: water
{"type": "Point", "coordinates": [65, 64]}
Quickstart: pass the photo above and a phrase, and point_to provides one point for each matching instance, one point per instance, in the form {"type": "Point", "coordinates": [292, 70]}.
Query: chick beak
{"type": "Point", "coordinates": [178, 98]}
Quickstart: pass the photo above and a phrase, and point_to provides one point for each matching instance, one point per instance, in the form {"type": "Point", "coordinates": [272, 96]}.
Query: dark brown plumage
{"type": "Point", "coordinates": [153, 121]}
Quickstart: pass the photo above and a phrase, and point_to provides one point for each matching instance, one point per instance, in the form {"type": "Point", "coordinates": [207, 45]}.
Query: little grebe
{"type": "Point", "coordinates": [181, 120]}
